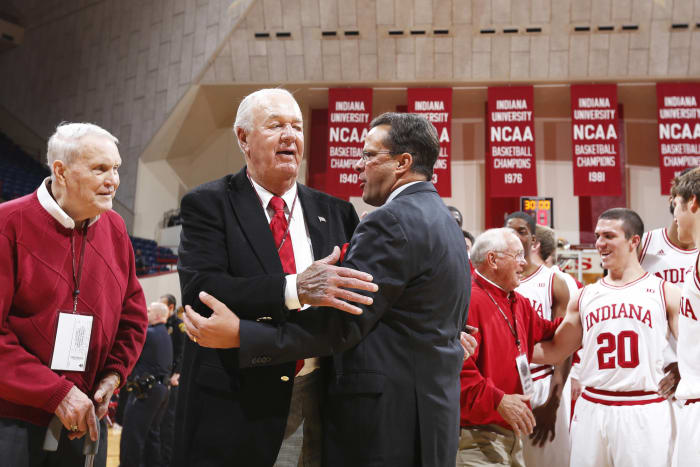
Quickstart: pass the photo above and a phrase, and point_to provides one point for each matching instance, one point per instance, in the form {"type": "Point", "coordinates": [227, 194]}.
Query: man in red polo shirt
{"type": "Point", "coordinates": [496, 383]}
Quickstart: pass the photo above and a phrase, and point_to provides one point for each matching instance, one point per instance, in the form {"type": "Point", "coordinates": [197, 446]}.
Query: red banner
{"type": "Point", "coordinates": [679, 129]}
{"type": "Point", "coordinates": [596, 140]}
{"type": "Point", "coordinates": [349, 114]}
{"type": "Point", "coordinates": [435, 104]}
{"type": "Point", "coordinates": [510, 158]}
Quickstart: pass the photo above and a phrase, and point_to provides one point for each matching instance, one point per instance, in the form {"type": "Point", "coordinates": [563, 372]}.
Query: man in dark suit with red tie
{"type": "Point", "coordinates": [250, 239]}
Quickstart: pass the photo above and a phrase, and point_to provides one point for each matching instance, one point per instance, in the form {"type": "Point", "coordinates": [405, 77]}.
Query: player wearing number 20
{"type": "Point", "coordinates": [622, 321]}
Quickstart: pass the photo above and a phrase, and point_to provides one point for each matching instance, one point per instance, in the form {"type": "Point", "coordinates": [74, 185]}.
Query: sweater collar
{"type": "Point", "coordinates": [51, 206]}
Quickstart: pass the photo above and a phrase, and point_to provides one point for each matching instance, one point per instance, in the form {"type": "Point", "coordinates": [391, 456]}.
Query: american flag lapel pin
{"type": "Point", "coordinates": [321, 219]}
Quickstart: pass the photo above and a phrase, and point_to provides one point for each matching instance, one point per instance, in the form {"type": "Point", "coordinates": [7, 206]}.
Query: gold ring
{"type": "Point", "coordinates": [194, 339]}
{"type": "Point", "coordinates": [74, 428]}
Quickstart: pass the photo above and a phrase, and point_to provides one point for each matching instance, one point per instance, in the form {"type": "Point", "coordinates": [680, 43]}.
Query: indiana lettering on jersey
{"type": "Point", "coordinates": [537, 306]}
{"type": "Point", "coordinates": [674, 275]}
{"type": "Point", "coordinates": [687, 309]}
{"type": "Point", "coordinates": [618, 311]}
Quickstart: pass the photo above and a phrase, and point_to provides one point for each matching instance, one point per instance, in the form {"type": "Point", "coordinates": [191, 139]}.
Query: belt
{"type": "Point", "coordinates": [600, 396]}
{"type": "Point", "coordinates": [141, 387]}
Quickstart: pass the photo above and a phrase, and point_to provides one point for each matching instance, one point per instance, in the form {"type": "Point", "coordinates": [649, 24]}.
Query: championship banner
{"type": "Point", "coordinates": [435, 104]}
{"type": "Point", "coordinates": [349, 112]}
{"type": "Point", "coordinates": [510, 157]}
{"type": "Point", "coordinates": [679, 129]}
{"type": "Point", "coordinates": [596, 142]}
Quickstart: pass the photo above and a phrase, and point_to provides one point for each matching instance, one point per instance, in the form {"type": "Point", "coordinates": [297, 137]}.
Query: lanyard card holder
{"type": "Point", "coordinates": [526, 382]}
{"type": "Point", "coordinates": [73, 331]}
{"type": "Point", "coordinates": [70, 349]}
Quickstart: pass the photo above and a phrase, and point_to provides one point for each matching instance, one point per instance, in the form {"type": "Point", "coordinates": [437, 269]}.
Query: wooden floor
{"type": "Point", "coordinates": [113, 447]}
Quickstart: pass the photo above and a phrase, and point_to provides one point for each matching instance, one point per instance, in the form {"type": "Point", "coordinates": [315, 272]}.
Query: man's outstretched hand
{"type": "Point", "coordinates": [323, 284]}
{"type": "Point", "coordinates": [221, 330]}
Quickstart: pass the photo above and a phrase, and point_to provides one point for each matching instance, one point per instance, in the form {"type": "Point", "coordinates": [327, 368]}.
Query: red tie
{"type": "Point", "coordinates": [278, 225]}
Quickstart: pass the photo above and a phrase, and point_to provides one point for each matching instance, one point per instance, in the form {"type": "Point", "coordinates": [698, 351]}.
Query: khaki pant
{"type": "Point", "coordinates": [302, 438]}
{"type": "Point", "coordinates": [489, 445]}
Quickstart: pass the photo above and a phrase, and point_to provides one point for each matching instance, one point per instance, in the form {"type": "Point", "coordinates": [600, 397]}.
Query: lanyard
{"type": "Point", "coordinates": [77, 275]}
{"type": "Point", "coordinates": [513, 328]}
{"type": "Point", "coordinates": [291, 211]}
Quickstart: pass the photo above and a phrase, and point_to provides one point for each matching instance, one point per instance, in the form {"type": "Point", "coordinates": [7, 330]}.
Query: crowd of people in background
{"type": "Point", "coordinates": [310, 337]}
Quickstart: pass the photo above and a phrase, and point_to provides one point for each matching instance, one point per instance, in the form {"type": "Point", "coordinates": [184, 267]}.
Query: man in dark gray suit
{"type": "Point", "coordinates": [394, 398]}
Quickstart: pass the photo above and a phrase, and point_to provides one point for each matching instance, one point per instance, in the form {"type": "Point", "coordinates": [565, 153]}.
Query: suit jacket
{"type": "Point", "coordinates": [227, 415]}
{"type": "Point", "coordinates": [394, 398]}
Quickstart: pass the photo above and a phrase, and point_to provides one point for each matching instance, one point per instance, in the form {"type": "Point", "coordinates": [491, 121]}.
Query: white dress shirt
{"type": "Point", "coordinates": [303, 251]}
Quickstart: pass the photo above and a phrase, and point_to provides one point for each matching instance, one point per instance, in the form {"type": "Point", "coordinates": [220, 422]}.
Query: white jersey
{"type": "Point", "coordinates": [661, 257]}
{"type": "Point", "coordinates": [537, 288]}
{"type": "Point", "coordinates": [568, 280]}
{"type": "Point", "coordinates": [689, 339]}
{"type": "Point", "coordinates": [624, 335]}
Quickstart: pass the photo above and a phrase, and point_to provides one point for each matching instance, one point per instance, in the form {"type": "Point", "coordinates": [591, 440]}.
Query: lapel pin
{"type": "Point", "coordinates": [321, 219]}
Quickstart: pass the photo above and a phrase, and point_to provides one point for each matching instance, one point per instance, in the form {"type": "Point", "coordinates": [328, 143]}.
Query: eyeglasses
{"type": "Point", "coordinates": [519, 256]}
{"type": "Point", "coordinates": [367, 155]}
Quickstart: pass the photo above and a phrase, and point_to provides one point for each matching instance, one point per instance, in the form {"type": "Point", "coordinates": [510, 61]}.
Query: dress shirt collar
{"type": "Point", "coordinates": [266, 196]}
{"type": "Point", "coordinates": [396, 192]}
{"type": "Point", "coordinates": [51, 206]}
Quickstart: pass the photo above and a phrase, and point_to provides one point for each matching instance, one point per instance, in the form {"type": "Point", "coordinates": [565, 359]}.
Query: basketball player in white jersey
{"type": "Point", "coordinates": [548, 295]}
{"type": "Point", "coordinates": [622, 321]}
{"type": "Point", "coordinates": [661, 252]}
{"type": "Point", "coordinates": [686, 193]}
{"type": "Point", "coordinates": [545, 249]}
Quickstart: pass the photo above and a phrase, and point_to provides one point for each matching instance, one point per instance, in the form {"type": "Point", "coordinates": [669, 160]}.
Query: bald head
{"type": "Point", "coordinates": [157, 313]}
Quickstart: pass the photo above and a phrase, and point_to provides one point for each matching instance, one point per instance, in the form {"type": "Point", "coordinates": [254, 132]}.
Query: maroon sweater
{"type": "Point", "coordinates": [36, 281]}
{"type": "Point", "coordinates": [490, 373]}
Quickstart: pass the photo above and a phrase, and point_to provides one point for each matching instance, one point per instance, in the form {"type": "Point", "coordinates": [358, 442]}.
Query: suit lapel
{"type": "Point", "coordinates": [316, 220]}
{"type": "Point", "coordinates": [251, 217]}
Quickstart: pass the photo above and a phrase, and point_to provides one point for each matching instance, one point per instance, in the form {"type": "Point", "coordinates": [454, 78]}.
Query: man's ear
{"type": "Point", "coordinates": [636, 240]}
{"type": "Point", "coordinates": [58, 169]}
{"type": "Point", "coordinates": [243, 140]}
{"type": "Point", "coordinates": [405, 161]}
{"type": "Point", "coordinates": [491, 260]}
{"type": "Point", "coordinates": [693, 204]}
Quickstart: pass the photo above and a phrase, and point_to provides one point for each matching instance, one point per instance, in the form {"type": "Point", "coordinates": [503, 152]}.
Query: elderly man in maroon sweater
{"type": "Point", "coordinates": [73, 317]}
{"type": "Point", "coordinates": [495, 409]}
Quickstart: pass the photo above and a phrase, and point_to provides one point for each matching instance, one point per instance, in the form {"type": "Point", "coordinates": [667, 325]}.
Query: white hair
{"type": "Point", "coordinates": [64, 145]}
{"type": "Point", "coordinates": [491, 240]}
{"type": "Point", "coordinates": [246, 109]}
